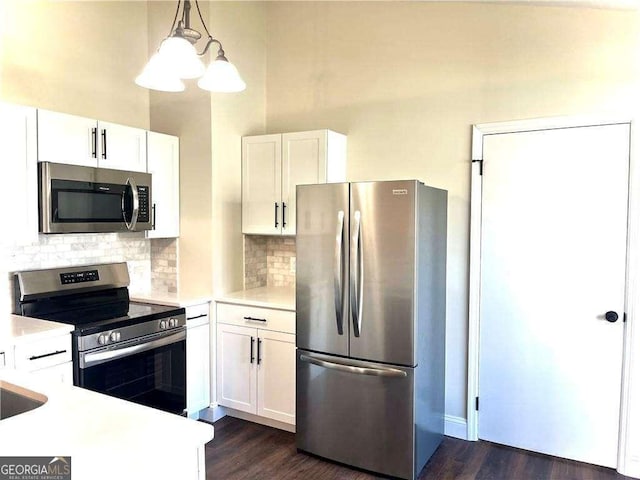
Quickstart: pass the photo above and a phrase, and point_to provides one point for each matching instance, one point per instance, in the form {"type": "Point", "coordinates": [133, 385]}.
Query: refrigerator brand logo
{"type": "Point", "coordinates": [35, 468]}
{"type": "Point", "coordinates": [400, 191]}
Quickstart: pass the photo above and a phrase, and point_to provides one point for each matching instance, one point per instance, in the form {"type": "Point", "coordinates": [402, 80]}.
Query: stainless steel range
{"type": "Point", "coordinates": [134, 351]}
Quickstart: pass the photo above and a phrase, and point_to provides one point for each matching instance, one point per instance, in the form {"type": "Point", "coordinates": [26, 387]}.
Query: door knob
{"type": "Point", "coordinates": [611, 316]}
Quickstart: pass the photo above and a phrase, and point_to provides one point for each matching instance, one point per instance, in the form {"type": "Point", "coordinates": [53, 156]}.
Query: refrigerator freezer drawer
{"type": "Point", "coordinates": [357, 413]}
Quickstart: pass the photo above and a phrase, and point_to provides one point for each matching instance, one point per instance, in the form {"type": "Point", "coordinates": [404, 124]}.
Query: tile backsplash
{"type": "Point", "coordinates": [164, 265]}
{"type": "Point", "coordinates": [269, 261]}
{"type": "Point", "coordinates": [151, 262]}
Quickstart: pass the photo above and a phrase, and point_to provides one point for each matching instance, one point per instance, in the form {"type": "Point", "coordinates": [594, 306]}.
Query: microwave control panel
{"type": "Point", "coordinates": [143, 198]}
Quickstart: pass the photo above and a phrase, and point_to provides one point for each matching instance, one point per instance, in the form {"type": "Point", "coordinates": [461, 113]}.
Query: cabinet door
{"type": "Point", "coordinates": [62, 373]}
{"type": "Point", "coordinates": [64, 138]}
{"type": "Point", "coordinates": [18, 161]}
{"type": "Point", "coordinates": [276, 360]}
{"type": "Point", "coordinates": [261, 185]}
{"type": "Point", "coordinates": [304, 161]}
{"type": "Point", "coordinates": [236, 372]}
{"type": "Point", "coordinates": [122, 147]}
{"type": "Point", "coordinates": [163, 163]}
{"type": "Point", "coordinates": [197, 368]}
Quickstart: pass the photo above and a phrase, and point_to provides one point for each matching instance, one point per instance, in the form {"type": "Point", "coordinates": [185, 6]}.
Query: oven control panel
{"type": "Point", "coordinates": [108, 338]}
{"type": "Point", "coordinates": [79, 277]}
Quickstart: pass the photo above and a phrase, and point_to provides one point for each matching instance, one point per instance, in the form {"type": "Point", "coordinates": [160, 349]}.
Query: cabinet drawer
{"type": "Point", "coordinates": [197, 312]}
{"type": "Point", "coordinates": [264, 318]}
{"type": "Point", "coordinates": [44, 353]}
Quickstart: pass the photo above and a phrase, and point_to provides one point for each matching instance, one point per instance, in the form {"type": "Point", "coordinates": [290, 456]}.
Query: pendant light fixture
{"type": "Point", "coordinates": [178, 59]}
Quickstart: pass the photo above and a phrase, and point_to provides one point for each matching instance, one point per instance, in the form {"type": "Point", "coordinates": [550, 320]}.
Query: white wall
{"type": "Point", "coordinates": [75, 57]}
{"type": "Point", "coordinates": [406, 80]}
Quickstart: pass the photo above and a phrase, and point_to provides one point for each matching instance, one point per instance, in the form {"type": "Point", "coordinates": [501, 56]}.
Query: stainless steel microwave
{"type": "Point", "coordinates": [76, 199]}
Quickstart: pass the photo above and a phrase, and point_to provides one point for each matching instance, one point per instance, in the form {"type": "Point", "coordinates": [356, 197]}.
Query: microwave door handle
{"type": "Point", "coordinates": [136, 205]}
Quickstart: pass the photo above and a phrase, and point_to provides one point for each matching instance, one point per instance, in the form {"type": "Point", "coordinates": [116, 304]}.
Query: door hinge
{"type": "Point", "coordinates": [477, 404]}
{"type": "Point", "coordinates": [481, 164]}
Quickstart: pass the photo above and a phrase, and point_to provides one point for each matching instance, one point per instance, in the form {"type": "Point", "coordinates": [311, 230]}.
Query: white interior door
{"type": "Point", "coordinates": [553, 253]}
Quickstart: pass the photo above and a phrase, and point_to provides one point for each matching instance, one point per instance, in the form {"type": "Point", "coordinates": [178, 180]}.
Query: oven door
{"type": "Point", "coordinates": [149, 370]}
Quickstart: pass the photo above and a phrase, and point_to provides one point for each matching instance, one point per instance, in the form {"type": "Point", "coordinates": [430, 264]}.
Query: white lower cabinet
{"type": "Point", "coordinates": [198, 369]}
{"type": "Point", "coordinates": [49, 359]}
{"type": "Point", "coordinates": [256, 368]}
{"type": "Point", "coordinates": [276, 367]}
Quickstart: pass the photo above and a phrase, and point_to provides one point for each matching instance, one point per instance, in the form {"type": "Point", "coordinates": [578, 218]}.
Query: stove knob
{"type": "Point", "coordinates": [173, 322]}
{"type": "Point", "coordinates": [103, 339]}
{"type": "Point", "coordinates": [114, 337]}
{"type": "Point", "coordinates": [164, 324]}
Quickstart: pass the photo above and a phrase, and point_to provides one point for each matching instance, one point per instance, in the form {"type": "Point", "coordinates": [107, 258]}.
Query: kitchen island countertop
{"type": "Point", "coordinates": [106, 437]}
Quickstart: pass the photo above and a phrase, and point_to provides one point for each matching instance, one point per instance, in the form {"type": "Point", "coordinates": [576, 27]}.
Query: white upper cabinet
{"type": "Point", "coordinates": [272, 166]}
{"type": "Point", "coordinates": [261, 184]}
{"type": "Point", "coordinates": [163, 163]}
{"type": "Point", "coordinates": [64, 138]}
{"type": "Point", "coordinates": [122, 147]}
{"type": "Point", "coordinates": [18, 162]}
{"type": "Point", "coordinates": [74, 140]}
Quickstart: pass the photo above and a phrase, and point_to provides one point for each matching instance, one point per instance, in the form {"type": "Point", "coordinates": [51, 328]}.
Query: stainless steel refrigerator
{"type": "Point", "coordinates": [370, 320]}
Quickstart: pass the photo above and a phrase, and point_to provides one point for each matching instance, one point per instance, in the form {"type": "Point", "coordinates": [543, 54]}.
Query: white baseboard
{"type": "Point", "coordinates": [455, 427]}
{"type": "Point", "coordinates": [216, 412]}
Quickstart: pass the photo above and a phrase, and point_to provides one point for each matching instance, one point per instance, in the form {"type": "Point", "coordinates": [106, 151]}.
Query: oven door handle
{"type": "Point", "coordinates": [96, 358]}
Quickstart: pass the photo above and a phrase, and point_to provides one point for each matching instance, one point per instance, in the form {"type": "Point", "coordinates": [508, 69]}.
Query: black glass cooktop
{"type": "Point", "coordinates": [97, 311]}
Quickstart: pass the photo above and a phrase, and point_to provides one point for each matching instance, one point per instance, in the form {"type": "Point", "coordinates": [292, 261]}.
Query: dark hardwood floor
{"type": "Point", "coordinates": [245, 450]}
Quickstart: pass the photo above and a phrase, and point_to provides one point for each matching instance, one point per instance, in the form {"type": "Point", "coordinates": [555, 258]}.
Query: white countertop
{"type": "Point", "coordinates": [283, 298]}
{"type": "Point", "coordinates": [172, 300]}
{"type": "Point", "coordinates": [106, 437]}
{"type": "Point", "coordinates": [16, 329]}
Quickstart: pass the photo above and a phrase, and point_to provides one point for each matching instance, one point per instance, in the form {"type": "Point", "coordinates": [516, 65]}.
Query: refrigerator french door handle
{"type": "Point", "coordinates": [338, 272]}
{"type": "Point", "coordinates": [348, 368]}
{"type": "Point", "coordinates": [356, 271]}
